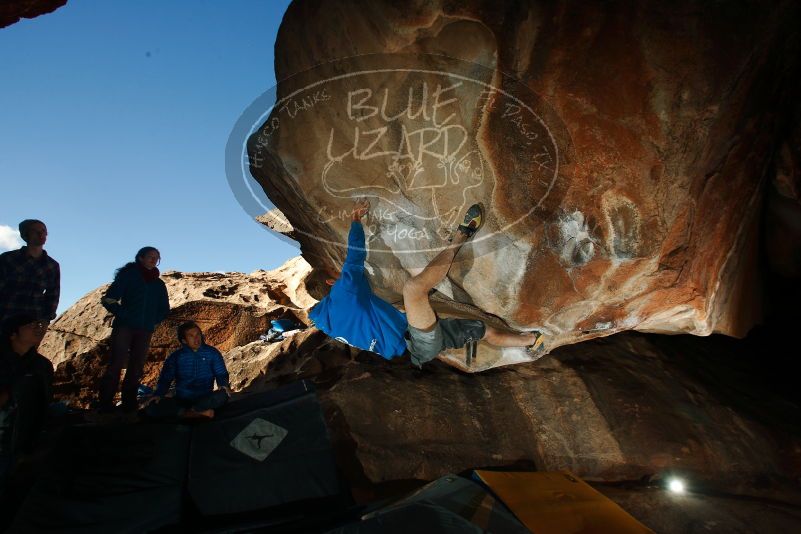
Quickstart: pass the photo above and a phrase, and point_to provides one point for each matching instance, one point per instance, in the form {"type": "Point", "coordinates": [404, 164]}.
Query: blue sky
{"type": "Point", "coordinates": [113, 122]}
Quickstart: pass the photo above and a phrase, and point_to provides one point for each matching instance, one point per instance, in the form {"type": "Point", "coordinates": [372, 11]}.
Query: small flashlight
{"type": "Point", "coordinates": [675, 485]}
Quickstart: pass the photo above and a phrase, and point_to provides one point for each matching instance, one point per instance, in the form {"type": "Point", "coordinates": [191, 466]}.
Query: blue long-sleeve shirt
{"type": "Point", "coordinates": [193, 372]}
{"type": "Point", "coordinates": [351, 313]}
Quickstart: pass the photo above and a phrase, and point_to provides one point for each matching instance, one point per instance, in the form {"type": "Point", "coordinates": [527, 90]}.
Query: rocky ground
{"type": "Point", "coordinates": [623, 412]}
{"type": "Point", "coordinates": [666, 513]}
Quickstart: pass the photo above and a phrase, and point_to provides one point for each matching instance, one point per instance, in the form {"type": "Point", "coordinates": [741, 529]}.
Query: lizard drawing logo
{"type": "Point", "coordinates": [422, 137]}
{"type": "Point", "coordinates": [425, 152]}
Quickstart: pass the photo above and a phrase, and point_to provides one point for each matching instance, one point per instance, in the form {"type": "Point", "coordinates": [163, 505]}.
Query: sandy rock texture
{"type": "Point", "coordinates": [233, 309]}
{"type": "Point", "coordinates": [622, 151]}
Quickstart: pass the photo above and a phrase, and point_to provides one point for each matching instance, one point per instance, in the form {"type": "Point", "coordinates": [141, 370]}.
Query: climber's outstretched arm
{"type": "Point", "coordinates": [357, 249]}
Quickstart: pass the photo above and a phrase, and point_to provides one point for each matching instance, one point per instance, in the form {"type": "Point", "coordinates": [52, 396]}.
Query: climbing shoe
{"type": "Point", "coordinates": [537, 348]}
{"type": "Point", "coordinates": [472, 220]}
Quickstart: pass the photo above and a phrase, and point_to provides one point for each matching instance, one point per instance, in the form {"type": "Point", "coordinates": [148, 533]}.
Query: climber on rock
{"type": "Point", "coordinates": [353, 314]}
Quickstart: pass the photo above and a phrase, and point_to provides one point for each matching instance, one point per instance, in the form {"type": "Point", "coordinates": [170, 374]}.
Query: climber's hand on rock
{"type": "Point", "coordinates": [360, 209]}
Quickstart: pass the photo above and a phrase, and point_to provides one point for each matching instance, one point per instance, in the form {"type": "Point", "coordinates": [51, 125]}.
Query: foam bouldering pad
{"type": "Point", "coordinates": [274, 453]}
{"type": "Point", "coordinates": [559, 503]}
{"type": "Point", "coordinates": [113, 478]}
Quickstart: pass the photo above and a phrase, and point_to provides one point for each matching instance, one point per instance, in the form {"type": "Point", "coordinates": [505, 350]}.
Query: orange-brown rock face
{"type": "Point", "coordinates": [619, 149]}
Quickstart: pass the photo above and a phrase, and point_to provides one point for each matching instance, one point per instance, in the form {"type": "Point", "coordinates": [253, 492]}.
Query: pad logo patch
{"type": "Point", "coordinates": [259, 439]}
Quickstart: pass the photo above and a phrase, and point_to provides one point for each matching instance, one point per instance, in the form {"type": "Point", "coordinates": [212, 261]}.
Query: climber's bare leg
{"type": "Point", "coordinates": [500, 338]}
{"type": "Point", "coordinates": [419, 312]}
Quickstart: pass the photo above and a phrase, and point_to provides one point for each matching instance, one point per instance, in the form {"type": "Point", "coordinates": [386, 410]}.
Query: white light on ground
{"type": "Point", "coordinates": [676, 486]}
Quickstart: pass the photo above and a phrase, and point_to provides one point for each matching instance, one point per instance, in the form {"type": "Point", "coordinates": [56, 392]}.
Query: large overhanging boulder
{"type": "Point", "coordinates": [620, 149]}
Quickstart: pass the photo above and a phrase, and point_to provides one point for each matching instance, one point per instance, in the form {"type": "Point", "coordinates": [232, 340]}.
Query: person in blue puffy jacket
{"type": "Point", "coordinates": [194, 368]}
{"type": "Point", "coordinates": [352, 314]}
{"type": "Point", "coordinates": [138, 300]}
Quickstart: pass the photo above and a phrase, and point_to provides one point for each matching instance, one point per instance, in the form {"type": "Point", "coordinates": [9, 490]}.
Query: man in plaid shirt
{"type": "Point", "coordinates": [30, 280]}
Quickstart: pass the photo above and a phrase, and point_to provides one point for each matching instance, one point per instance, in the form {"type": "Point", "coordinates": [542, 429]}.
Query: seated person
{"type": "Point", "coordinates": [194, 368]}
{"type": "Point", "coordinates": [26, 386]}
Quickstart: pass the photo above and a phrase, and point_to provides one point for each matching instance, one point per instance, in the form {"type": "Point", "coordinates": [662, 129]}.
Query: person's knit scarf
{"type": "Point", "coordinates": [148, 274]}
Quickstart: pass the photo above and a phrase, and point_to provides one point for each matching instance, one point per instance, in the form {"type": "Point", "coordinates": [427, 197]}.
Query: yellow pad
{"type": "Point", "coordinates": [559, 503]}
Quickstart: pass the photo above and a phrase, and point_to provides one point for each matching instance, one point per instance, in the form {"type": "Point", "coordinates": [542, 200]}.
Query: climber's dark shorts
{"type": "Point", "coordinates": [447, 334]}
